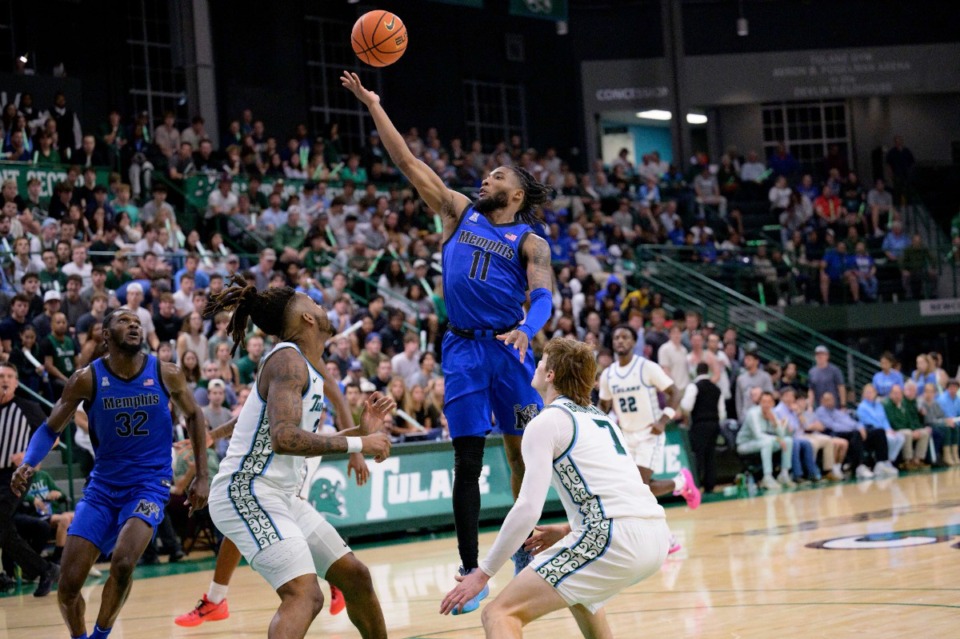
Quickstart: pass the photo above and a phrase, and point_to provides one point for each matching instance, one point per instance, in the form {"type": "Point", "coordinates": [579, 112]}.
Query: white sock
{"type": "Point", "coordinates": [679, 483]}
{"type": "Point", "coordinates": [838, 469]}
{"type": "Point", "coordinates": [216, 593]}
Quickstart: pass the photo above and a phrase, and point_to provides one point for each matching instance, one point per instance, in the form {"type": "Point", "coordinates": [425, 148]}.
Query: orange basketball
{"type": "Point", "coordinates": [379, 38]}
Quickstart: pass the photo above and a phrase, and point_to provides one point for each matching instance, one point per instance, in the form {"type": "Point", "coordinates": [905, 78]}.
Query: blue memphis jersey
{"type": "Point", "coordinates": [484, 278]}
{"type": "Point", "coordinates": [131, 428]}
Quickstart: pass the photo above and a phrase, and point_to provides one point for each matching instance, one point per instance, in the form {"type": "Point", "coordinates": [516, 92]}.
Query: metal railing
{"type": "Point", "coordinates": [777, 336]}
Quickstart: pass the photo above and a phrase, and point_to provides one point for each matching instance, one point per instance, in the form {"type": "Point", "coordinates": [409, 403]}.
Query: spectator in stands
{"type": "Point", "coordinates": [672, 357]}
{"type": "Point", "coordinates": [166, 136]}
{"type": "Point", "coordinates": [751, 376]}
{"type": "Point", "coordinates": [839, 424]}
{"type": "Point", "coordinates": [949, 400]}
{"type": "Point", "coordinates": [918, 270]}
{"type": "Point", "coordinates": [51, 306]}
{"type": "Point", "coordinates": [656, 336]}
{"type": "Point", "coordinates": [866, 272]}
{"type": "Point", "coordinates": [166, 322]}
{"type": "Point", "coordinates": [59, 353]}
{"type": "Point", "coordinates": [828, 208]}
{"type": "Point", "coordinates": [899, 163]}
{"type": "Point", "coordinates": [135, 299]}
{"type": "Point", "coordinates": [804, 457]}
{"type": "Point", "coordinates": [839, 267]}
{"type": "Point", "coordinates": [782, 162]}
{"type": "Point", "coordinates": [74, 306]}
{"type": "Point", "coordinates": [904, 417]}
{"type": "Point", "coordinates": [925, 372]}
{"type": "Point", "coordinates": [708, 192]}
{"type": "Point", "coordinates": [12, 325]}
{"type": "Point", "coordinates": [194, 133]}
{"type": "Point", "coordinates": [946, 429]}
{"type": "Point", "coordinates": [426, 374]}
{"type": "Point", "coordinates": [887, 377]}
{"type": "Point", "coordinates": [834, 448]}
{"type": "Point", "coordinates": [882, 211]}
{"type": "Point", "coordinates": [895, 242]}
{"type": "Point", "coordinates": [425, 413]}
{"type": "Point", "coordinates": [28, 360]}
{"type": "Point", "coordinates": [221, 203]}
{"type": "Point", "coordinates": [371, 355]}
{"type": "Point", "coordinates": [763, 433]}
{"type": "Point", "coordinates": [228, 371]}
{"type": "Point", "coordinates": [873, 412]}
{"type": "Point", "coordinates": [407, 362]}
{"type": "Point", "coordinates": [247, 365]}
{"type": "Point", "coordinates": [779, 195]}
{"type": "Point", "coordinates": [825, 377]}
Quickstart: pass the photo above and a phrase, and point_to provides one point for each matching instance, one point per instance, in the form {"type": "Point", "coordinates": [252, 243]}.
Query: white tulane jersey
{"type": "Point", "coordinates": [633, 390]}
{"type": "Point", "coordinates": [594, 476]}
{"type": "Point", "coordinates": [250, 455]}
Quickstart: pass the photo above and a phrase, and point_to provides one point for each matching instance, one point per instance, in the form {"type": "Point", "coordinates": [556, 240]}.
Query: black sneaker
{"type": "Point", "coordinates": [176, 556]}
{"type": "Point", "coordinates": [47, 579]}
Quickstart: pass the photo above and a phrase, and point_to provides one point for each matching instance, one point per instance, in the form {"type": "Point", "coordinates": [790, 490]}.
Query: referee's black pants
{"type": "Point", "coordinates": [11, 543]}
{"type": "Point", "coordinates": [703, 441]}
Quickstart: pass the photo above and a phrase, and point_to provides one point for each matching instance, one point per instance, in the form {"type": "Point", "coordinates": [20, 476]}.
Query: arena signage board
{"type": "Point", "coordinates": [808, 75]}
{"type": "Point", "coordinates": [49, 176]}
{"type": "Point", "coordinates": [414, 487]}
{"type": "Point", "coordinates": [546, 9]}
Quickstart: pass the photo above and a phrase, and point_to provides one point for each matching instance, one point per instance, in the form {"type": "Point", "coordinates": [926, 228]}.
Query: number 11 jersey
{"type": "Point", "coordinates": [484, 274]}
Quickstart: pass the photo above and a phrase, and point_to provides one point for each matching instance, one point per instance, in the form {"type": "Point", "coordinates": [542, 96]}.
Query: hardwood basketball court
{"type": "Point", "coordinates": [749, 568]}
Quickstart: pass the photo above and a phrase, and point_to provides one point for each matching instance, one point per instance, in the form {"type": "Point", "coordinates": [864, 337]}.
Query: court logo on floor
{"type": "Point", "coordinates": [892, 539]}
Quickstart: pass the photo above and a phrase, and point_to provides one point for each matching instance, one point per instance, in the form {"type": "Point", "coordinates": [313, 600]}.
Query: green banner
{"type": "Point", "coordinates": [478, 4]}
{"type": "Point", "coordinates": [545, 9]}
{"type": "Point", "coordinates": [49, 176]}
{"type": "Point", "coordinates": [414, 487]}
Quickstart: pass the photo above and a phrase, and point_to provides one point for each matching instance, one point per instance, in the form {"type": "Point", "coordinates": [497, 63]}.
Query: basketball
{"type": "Point", "coordinates": [379, 38]}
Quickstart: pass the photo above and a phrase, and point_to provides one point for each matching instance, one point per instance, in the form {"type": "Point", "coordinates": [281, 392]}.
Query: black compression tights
{"type": "Point", "coordinates": [468, 463]}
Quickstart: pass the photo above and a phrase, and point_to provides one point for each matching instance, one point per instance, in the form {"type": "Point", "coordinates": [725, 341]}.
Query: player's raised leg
{"type": "Point", "coordinates": [526, 597]}
{"type": "Point", "coordinates": [79, 555]}
{"type": "Point", "coordinates": [133, 540]}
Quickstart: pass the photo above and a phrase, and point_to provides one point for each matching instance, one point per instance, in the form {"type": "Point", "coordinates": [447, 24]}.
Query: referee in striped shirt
{"type": "Point", "coordinates": [18, 419]}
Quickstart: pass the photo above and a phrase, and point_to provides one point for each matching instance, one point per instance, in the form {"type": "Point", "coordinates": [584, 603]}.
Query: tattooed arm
{"type": "Point", "coordinates": [282, 382]}
{"type": "Point", "coordinates": [536, 253]}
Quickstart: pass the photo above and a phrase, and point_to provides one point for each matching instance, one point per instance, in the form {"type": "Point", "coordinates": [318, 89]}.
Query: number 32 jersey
{"type": "Point", "coordinates": [484, 277]}
{"type": "Point", "coordinates": [131, 428]}
{"type": "Point", "coordinates": [633, 389]}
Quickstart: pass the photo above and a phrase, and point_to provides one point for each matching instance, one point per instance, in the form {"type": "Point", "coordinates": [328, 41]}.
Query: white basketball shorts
{"type": "Point", "coordinates": [590, 566]}
{"type": "Point", "coordinates": [644, 446]}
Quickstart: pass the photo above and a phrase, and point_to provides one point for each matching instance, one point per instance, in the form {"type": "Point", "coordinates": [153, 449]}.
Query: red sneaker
{"type": "Point", "coordinates": [337, 602]}
{"type": "Point", "coordinates": [690, 491]}
{"type": "Point", "coordinates": [205, 611]}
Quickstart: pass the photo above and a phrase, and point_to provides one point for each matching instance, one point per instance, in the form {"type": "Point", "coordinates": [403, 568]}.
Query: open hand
{"type": "Point", "coordinates": [377, 407]}
{"type": "Point", "coordinates": [469, 586]}
{"type": "Point", "coordinates": [518, 339]}
{"type": "Point", "coordinates": [351, 82]}
{"type": "Point", "coordinates": [544, 537]}
{"type": "Point", "coordinates": [358, 465]}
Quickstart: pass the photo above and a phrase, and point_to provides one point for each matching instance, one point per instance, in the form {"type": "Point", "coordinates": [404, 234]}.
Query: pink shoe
{"type": "Point", "coordinates": [674, 545]}
{"type": "Point", "coordinates": [690, 491]}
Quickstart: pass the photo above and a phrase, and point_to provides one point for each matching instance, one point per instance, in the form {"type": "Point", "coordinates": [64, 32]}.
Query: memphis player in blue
{"type": "Point", "coordinates": [492, 260]}
{"type": "Point", "coordinates": [126, 396]}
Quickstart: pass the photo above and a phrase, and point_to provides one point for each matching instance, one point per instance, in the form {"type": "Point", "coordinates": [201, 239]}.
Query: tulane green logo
{"type": "Point", "coordinates": [317, 403]}
{"type": "Point", "coordinates": [326, 492]}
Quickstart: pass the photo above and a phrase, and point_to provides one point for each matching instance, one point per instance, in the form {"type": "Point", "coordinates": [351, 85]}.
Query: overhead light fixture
{"type": "Point", "coordinates": [654, 114]}
{"type": "Point", "coordinates": [562, 27]}
{"type": "Point", "coordinates": [743, 27]}
{"type": "Point", "coordinates": [23, 58]}
{"type": "Point", "coordinates": [696, 118]}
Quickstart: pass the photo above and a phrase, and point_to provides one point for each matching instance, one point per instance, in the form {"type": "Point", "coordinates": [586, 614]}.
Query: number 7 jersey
{"type": "Point", "coordinates": [633, 389]}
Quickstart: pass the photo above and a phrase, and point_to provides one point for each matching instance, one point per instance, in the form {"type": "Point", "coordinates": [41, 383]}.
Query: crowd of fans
{"type": "Point", "coordinates": [353, 236]}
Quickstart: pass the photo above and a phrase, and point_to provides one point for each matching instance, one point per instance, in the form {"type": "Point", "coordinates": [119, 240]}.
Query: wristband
{"type": "Point", "coordinates": [670, 413]}
{"type": "Point", "coordinates": [354, 444]}
{"type": "Point", "coordinates": [40, 445]}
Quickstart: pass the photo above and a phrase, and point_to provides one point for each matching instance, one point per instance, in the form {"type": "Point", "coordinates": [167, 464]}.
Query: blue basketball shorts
{"type": "Point", "coordinates": [104, 510]}
{"type": "Point", "coordinates": [484, 377]}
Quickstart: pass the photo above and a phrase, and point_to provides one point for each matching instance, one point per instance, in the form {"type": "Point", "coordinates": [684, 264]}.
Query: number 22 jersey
{"type": "Point", "coordinates": [633, 389]}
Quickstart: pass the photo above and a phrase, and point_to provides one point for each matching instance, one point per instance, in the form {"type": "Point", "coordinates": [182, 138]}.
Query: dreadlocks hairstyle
{"type": "Point", "coordinates": [266, 309]}
{"type": "Point", "coordinates": [535, 196]}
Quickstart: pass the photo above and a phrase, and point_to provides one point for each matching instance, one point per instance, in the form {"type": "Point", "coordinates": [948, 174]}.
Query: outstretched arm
{"type": "Point", "coordinates": [77, 389]}
{"type": "Point", "coordinates": [180, 393]}
{"type": "Point", "coordinates": [536, 252]}
{"type": "Point", "coordinates": [438, 197]}
{"type": "Point", "coordinates": [282, 380]}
